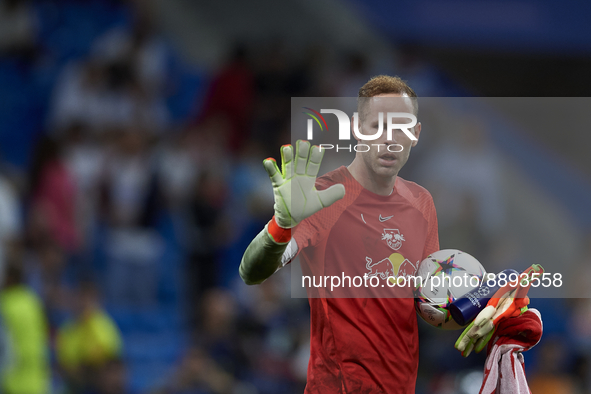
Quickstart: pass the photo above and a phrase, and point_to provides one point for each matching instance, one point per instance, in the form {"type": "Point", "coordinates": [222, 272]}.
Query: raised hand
{"type": "Point", "coordinates": [296, 197]}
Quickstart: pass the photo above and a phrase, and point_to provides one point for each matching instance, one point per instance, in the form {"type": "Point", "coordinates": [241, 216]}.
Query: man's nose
{"type": "Point", "coordinates": [384, 139]}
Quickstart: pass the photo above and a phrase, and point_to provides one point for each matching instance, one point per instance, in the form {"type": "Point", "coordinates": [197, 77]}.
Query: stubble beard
{"type": "Point", "coordinates": [379, 171]}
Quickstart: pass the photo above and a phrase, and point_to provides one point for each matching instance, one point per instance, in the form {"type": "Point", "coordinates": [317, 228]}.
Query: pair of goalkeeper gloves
{"type": "Point", "coordinates": [296, 197]}
{"type": "Point", "coordinates": [509, 301]}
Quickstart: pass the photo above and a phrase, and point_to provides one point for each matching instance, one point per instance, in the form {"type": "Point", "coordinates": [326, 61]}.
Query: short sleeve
{"type": "Point", "coordinates": [432, 241]}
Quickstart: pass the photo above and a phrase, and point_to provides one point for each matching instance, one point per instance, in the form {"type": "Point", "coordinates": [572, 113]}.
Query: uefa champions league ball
{"type": "Point", "coordinates": [443, 277]}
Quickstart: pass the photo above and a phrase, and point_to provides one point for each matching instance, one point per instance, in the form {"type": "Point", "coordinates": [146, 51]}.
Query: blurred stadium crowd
{"type": "Point", "coordinates": [131, 184]}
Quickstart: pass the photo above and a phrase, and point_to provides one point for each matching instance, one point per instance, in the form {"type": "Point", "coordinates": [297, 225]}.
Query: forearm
{"type": "Point", "coordinates": [261, 259]}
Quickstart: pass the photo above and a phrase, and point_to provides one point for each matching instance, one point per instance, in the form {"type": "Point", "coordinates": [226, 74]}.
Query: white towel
{"type": "Point", "coordinates": [504, 371]}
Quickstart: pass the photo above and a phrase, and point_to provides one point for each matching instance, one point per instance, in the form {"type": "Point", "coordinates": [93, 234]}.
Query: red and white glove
{"type": "Point", "coordinates": [510, 300]}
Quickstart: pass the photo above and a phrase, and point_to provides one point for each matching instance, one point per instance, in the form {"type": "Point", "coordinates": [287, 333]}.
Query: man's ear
{"type": "Point", "coordinates": [417, 133]}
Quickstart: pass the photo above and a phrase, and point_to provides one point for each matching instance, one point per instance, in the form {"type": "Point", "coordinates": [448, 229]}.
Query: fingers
{"type": "Point", "coordinates": [316, 155]}
{"type": "Point", "coordinates": [470, 341]}
{"type": "Point", "coordinates": [484, 329]}
{"type": "Point", "coordinates": [526, 282]}
{"type": "Point", "coordinates": [301, 159]}
{"type": "Point", "coordinates": [271, 166]}
{"type": "Point", "coordinates": [461, 342]}
{"type": "Point", "coordinates": [477, 334]}
{"type": "Point", "coordinates": [483, 323]}
{"type": "Point", "coordinates": [469, 347]}
{"type": "Point", "coordinates": [485, 315]}
{"type": "Point", "coordinates": [287, 161]}
{"type": "Point", "coordinates": [465, 342]}
{"type": "Point", "coordinates": [506, 305]}
{"type": "Point", "coordinates": [306, 161]}
{"type": "Point", "coordinates": [331, 195]}
{"type": "Point", "coordinates": [482, 342]}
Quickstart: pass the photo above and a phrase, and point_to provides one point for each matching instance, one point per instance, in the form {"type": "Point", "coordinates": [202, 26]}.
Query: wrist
{"type": "Point", "coordinates": [277, 233]}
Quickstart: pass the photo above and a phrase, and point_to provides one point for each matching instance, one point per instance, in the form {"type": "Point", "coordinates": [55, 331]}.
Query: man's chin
{"type": "Point", "coordinates": [386, 171]}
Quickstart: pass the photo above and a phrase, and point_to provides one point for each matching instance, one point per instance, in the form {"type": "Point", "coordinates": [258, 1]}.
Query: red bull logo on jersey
{"type": "Point", "coordinates": [382, 269]}
{"type": "Point", "coordinates": [392, 266]}
{"type": "Point", "coordinates": [393, 238]}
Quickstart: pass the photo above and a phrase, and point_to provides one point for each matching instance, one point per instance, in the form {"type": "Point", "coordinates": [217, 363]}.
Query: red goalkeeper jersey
{"type": "Point", "coordinates": [364, 336]}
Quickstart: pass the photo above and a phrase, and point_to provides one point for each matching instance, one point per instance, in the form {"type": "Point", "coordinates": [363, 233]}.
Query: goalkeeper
{"type": "Point", "coordinates": [345, 222]}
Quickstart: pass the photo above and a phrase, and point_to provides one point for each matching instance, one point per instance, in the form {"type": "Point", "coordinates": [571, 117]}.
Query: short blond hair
{"type": "Point", "coordinates": [385, 84]}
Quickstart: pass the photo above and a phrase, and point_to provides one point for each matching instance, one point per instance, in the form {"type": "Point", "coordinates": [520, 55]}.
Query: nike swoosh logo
{"type": "Point", "coordinates": [386, 218]}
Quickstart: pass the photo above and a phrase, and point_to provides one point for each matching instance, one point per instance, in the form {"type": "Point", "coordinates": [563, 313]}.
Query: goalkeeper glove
{"type": "Point", "coordinates": [296, 197]}
{"type": "Point", "coordinates": [508, 301]}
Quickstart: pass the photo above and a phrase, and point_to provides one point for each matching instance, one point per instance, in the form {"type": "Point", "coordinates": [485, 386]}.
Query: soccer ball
{"type": "Point", "coordinates": [443, 277]}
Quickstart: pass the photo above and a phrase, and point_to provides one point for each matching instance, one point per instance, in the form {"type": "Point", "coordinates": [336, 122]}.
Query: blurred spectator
{"type": "Point", "coordinates": [208, 203]}
{"type": "Point", "coordinates": [250, 197]}
{"type": "Point", "coordinates": [209, 230]}
{"type": "Point", "coordinates": [550, 376]}
{"type": "Point", "coordinates": [214, 364]}
{"type": "Point", "coordinates": [231, 95]}
{"type": "Point", "coordinates": [271, 335]}
{"type": "Point", "coordinates": [355, 74]}
{"type": "Point", "coordinates": [5, 347]}
{"type": "Point", "coordinates": [581, 370]}
{"type": "Point", "coordinates": [311, 72]}
{"type": "Point", "coordinates": [351, 75]}
{"type": "Point", "coordinates": [10, 221]}
{"type": "Point", "coordinates": [129, 187]}
{"type": "Point", "coordinates": [104, 96]}
{"type": "Point", "coordinates": [180, 164]}
{"type": "Point", "coordinates": [135, 59]}
{"type": "Point", "coordinates": [301, 356]}
{"type": "Point", "coordinates": [120, 84]}
{"type": "Point", "coordinates": [53, 198]}
{"type": "Point", "coordinates": [85, 157]}
{"type": "Point", "coordinates": [28, 370]}
{"type": "Point", "coordinates": [77, 97]}
{"type": "Point", "coordinates": [131, 205]}
{"type": "Point", "coordinates": [45, 270]}
{"type": "Point", "coordinates": [218, 330]}
{"type": "Point", "coordinates": [198, 374]}
{"type": "Point", "coordinates": [112, 378]}
{"type": "Point", "coordinates": [139, 47]}
{"type": "Point", "coordinates": [18, 28]}
{"type": "Point", "coordinates": [418, 73]}
{"type": "Point", "coordinates": [249, 205]}
{"type": "Point", "coordinates": [88, 342]}
{"type": "Point", "coordinates": [276, 82]}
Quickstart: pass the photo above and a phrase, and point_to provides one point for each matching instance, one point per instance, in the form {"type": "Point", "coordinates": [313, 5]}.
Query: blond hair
{"type": "Point", "coordinates": [385, 84]}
